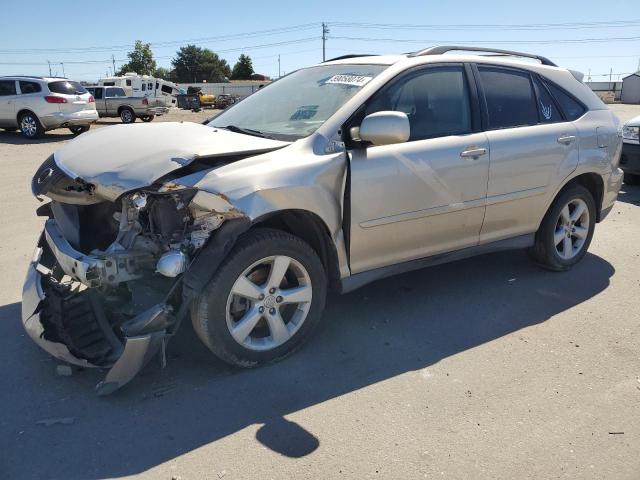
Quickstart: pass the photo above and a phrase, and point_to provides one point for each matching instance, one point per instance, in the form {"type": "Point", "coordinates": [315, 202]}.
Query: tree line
{"type": "Point", "coordinates": [190, 65]}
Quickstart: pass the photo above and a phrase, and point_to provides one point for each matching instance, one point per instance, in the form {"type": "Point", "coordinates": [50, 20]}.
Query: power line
{"type": "Point", "coordinates": [494, 42]}
{"type": "Point", "coordinates": [525, 26]}
{"type": "Point", "coordinates": [219, 38]}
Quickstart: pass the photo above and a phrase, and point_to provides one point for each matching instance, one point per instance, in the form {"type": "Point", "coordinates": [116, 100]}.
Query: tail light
{"type": "Point", "coordinates": [54, 99]}
{"type": "Point", "coordinates": [145, 101]}
{"type": "Point", "coordinates": [91, 99]}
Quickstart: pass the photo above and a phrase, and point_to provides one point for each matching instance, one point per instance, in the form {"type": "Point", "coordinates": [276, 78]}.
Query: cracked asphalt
{"type": "Point", "coordinates": [484, 368]}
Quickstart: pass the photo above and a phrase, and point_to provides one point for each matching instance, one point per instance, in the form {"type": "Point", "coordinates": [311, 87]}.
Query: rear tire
{"type": "Point", "coordinates": [631, 179]}
{"type": "Point", "coordinates": [274, 324]}
{"type": "Point", "coordinates": [77, 130]}
{"type": "Point", "coordinates": [30, 126]}
{"type": "Point", "coordinates": [566, 231]}
{"type": "Point", "coordinates": [147, 118]}
{"type": "Point", "coordinates": [127, 115]}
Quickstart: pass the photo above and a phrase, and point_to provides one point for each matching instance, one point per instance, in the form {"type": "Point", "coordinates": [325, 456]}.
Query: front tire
{"type": "Point", "coordinates": [30, 126]}
{"type": "Point", "coordinates": [264, 301]}
{"type": "Point", "coordinates": [127, 115]}
{"type": "Point", "coordinates": [77, 130]}
{"type": "Point", "coordinates": [566, 230]}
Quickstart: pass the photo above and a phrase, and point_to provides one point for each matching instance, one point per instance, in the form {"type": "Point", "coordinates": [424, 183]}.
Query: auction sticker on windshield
{"type": "Point", "coordinates": [355, 80]}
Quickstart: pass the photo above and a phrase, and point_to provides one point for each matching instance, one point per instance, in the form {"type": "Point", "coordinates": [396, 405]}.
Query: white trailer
{"type": "Point", "coordinates": [136, 85]}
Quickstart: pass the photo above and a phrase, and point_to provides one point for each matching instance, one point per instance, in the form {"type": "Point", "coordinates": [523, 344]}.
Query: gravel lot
{"type": "Point", "coordinates": [485, 368]}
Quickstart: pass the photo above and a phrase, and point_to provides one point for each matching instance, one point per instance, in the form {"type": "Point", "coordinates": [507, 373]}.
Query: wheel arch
{"type": "Point", "coordinates": [309, 227]}
{"type": "Point", "coordinates": [125, 107]}
{"type": "Point", "coordinates": [22, 111]}
{"type": "Point", "coordinates": [592, 181]}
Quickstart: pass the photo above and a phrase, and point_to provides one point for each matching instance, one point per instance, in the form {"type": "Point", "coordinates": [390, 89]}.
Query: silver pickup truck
{"type": "Point", "coordinates": [113, 102]}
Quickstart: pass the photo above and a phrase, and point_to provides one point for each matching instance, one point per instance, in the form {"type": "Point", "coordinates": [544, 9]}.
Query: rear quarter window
{"type": "Point", "coordinates": [66, 87]}
{"type": "Point", "coordinates": [572, 108]}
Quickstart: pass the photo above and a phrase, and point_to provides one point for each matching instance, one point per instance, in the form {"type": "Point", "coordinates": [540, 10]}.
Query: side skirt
{"type": "Point", "coordinates": [358, 280]}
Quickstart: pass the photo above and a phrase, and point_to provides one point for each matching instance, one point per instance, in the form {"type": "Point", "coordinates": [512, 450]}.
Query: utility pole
{"type": "Point", "coordinates": [63, 74]}
{"type": "Point", "coordinates": [49, 67]}
{"type": "Point", "coordinates": [610, 75]}
{"type": "Point", "coordinates": [325, 31]}
{"type": "Point", "coordinates": [278, 65]}
{"type": "Point", "coordinates": [113, 60]}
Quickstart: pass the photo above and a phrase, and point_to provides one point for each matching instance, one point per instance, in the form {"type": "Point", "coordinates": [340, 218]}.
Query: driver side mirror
{"type": "Point", "coordinates": [382, 128]}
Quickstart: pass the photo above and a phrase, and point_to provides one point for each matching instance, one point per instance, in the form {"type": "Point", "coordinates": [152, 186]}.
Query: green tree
{"type": "Point", "coordinates": [195, 64]}
{"type": "Point", "coordinates": [243, 69]}
{"type": "Point", "coordinates": [140, 60]}
{"type": "Point", "coordinates": [163, 73]}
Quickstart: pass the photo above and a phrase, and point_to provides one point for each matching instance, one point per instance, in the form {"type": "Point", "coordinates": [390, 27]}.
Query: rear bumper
{"type": "Point", "coordinates": [156, 111]}
{"type": "Point", "coordinates": [71, 323]}
{"type": "Point", "coordinates": [64, 119]}
{"type": "Point", "coordinates": [630, 159]}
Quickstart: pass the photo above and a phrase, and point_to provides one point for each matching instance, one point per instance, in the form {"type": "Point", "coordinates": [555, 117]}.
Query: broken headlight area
{"type": "Point", "coordinates": [105, 287]}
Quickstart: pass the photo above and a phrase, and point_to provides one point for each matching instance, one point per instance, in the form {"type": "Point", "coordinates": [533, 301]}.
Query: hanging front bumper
{"type": "Point", "coordinates": [71, 324]}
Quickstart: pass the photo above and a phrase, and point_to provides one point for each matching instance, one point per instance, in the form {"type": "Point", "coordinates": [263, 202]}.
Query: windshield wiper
{"type": "Point", "coordinates": [246, 131]}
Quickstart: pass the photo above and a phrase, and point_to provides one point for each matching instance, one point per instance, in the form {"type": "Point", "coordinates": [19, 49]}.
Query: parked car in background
{"type": "Point", "coordinates": [225, 100]}
{"type": "Point", "coordinates": [37, 104]}
{"type": "Point", "coordinates": [334, 176]}
{"type": "Point", "coordinates": [113, 102]}
{"type": "Point", "coordinates": [630, 160]}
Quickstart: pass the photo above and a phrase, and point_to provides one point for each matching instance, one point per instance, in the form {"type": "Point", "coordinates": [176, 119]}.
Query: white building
{"type": "Point", "coordinates": [631, 88]}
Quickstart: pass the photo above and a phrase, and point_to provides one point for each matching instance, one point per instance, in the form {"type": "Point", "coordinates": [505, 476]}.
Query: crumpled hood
{"type": "Point", "coordinates": [121, 158]}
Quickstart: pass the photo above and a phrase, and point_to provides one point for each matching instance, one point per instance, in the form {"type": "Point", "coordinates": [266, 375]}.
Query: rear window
{"type": "Point", "coordinates": [510, 98]}
{"type": "Point", "coordinates": [115, 92]}
{"type": "Point", "coordinates": [29, 87]}
{"type": "Point", "coordinates": [571, 108]}
{"type": "Point", "coordinates": [67, 87]}
{"type": "Point", "coordinates": [7, 87]}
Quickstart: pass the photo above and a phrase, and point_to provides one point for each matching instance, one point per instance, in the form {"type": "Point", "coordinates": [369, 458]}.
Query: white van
{"type": "Point", "coordinates": [136, 85]}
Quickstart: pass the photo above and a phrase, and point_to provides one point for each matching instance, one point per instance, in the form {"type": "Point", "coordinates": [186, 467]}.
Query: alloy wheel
{"type": "Point", "coordinates": [28, 125]}
{"type": "Point", "coordinates": [572, 229]}
{"type": "Point", "coordinates": [269, 302]}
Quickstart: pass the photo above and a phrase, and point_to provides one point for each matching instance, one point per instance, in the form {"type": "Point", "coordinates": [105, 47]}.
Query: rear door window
{"type": "Point", "coordinates": [29, 87]}
{"type": "Point", "coordinates": [7, 87]}
{"type": "Point", "coordinates": [510, 98]}
{"type": "Point", "coordinates": [66, 87]}
{"type": "Point", "coordinates": [572, 108]}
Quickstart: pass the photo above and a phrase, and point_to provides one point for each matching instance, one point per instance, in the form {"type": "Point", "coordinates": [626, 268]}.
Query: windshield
{"type": "Point", "coordinates": [296, 105]}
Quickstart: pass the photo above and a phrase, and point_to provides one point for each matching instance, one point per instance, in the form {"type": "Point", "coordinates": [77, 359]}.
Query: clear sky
{"type": "Point", "coordinates": [583, 35]}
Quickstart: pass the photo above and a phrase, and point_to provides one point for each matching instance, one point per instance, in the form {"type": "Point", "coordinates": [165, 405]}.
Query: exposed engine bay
{"type": "Point", "coordinates": [111, 273]}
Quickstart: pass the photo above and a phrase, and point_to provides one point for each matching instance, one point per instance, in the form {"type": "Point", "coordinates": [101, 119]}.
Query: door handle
{"type": "Point", "coordinates": [473, 152]}
{"type": "Point", "coordinates": [566, 139]}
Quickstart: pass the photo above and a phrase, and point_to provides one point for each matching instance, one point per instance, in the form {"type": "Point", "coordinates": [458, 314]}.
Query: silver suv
{"type": "Point", "coordinates": [37, 104]}
{"type": "Point", "coordinates": [329, 178]}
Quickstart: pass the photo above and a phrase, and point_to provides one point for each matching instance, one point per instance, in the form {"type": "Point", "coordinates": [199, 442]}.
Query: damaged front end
{"type": "Point", "coordinates": [110, 281]}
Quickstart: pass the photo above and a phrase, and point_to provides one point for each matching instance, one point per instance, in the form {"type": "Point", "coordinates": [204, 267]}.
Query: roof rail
{"type": "Point", "coordinates": [351, 55]}
{"type": "Point", "coordinates": [448, 48]}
